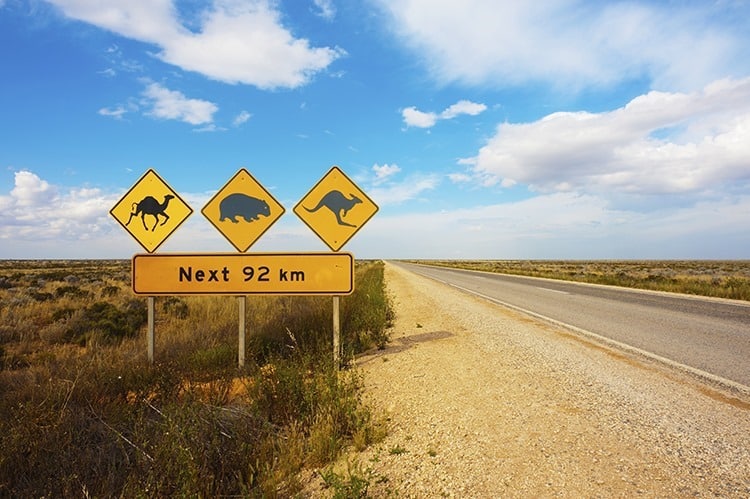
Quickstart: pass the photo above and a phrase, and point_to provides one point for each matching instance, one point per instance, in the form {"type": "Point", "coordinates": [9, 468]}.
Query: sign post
{"type": "Point", "coordinates": [150, 334]}
{"type": "Point", "coordinates": [241, 304]}
{"type": "Point", "coordinates": [164, 217]}
{"type": "Point", "coordinates": [242, 210]}
{"type": "Point", "coordinates": [335, 209]}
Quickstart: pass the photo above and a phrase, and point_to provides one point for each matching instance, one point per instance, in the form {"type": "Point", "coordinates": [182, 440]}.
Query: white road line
{"type": "Point", "coordinates": [552, 290]}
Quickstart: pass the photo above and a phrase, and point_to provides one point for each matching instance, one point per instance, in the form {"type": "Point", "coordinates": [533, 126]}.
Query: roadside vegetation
{"type": "Point", "coordinates": [719, 279]}
{"type": "Point", "coordinates": [83, 414]}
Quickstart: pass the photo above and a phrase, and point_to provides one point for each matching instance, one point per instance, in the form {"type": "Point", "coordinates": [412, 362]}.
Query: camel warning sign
{"type": "Point", "coordinates": [151, 211]}
{"type": "Point", "coordinates": [335, 208]}
{"type": "Point", "coordinates": [242, 210]}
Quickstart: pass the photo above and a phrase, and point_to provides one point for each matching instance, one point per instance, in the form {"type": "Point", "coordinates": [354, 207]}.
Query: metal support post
{"type": "Point", "coordinates": [150, 338]}
{"type": "Point", "coordinates": [336, 334]}
{"type": "Point", "coordinates": [242, 302]}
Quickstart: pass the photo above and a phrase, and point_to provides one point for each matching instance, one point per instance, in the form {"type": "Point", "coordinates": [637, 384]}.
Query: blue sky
{"type": "Point", "coordinates": [482, 128]}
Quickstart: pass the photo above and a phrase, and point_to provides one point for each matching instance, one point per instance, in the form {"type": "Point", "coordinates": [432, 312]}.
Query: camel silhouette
{"type": "Point", "coordinates": [150, 206]}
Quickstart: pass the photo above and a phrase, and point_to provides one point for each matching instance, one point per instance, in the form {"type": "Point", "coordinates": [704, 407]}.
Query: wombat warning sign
{"type": "Point", "coordinates": [242, 210]}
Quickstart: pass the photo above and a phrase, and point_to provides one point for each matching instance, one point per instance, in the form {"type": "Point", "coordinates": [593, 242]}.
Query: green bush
{"type": "Point", "coordinates": [177, 307]}
{"type": "Point", "coordinates": [72, 291]}
{"type": "Point", "coordinates": [367, 314]}
{"type": "Point", "coordinates": [104, 322]}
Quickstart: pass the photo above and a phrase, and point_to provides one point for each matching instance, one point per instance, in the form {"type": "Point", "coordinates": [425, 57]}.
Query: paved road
{"type": "Point", "coordinates": [712, 336]}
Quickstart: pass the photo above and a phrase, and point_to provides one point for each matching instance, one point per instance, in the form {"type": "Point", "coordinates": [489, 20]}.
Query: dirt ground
{"type": "Point", "coordinates": [486, 402]}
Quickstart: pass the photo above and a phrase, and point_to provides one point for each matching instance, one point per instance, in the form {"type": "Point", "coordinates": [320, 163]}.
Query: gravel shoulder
{"type": "Point", "coordinates": [483, 401]}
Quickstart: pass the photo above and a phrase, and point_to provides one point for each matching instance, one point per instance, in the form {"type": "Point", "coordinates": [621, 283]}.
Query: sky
{"type": "Point", "coordinates": [482, 129]}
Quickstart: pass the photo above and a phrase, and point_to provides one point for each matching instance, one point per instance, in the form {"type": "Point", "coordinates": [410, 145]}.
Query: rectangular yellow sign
{"type": "Point", "coordinates": [244, 274]}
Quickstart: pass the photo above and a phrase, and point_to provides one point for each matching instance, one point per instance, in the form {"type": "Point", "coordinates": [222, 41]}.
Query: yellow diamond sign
{"type": "Point", "coordinates": [335, 209]}
{"type": "Point", "coordinates": [242, 210]}
{"type": "Point", "coordinates": [151, 211]}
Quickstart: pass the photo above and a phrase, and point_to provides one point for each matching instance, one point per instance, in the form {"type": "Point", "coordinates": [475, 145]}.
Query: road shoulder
{"type": "Point", "coordinates": [483, 401]}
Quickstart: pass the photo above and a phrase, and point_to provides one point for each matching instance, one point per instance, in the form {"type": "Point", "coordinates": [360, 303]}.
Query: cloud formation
{"type": "Point", "coordinates": [116, 113]}
{"type": "Point", "coordinates": [416, 118]}
{"type": "Point", "coordinates": [563, 225]}
{"type": "Point", "coordinates": [384, 172]}
{"type": "Point", "coordinates": [235, 41]}
{"type": "Point", "coordinates": [387, 191]}
{"type": "Point", "coordinates": [571, 44]}
{"type": "Point", "coordinates": [241, 118]}
{"type": "Point", "coordinates": [37, 211]}
{"type": "Point", "coordinates": [659, 143]}
{"type": "Point", "coordinates": [326, 9]}
{"type": "Point", "coordinates": [173, 105]}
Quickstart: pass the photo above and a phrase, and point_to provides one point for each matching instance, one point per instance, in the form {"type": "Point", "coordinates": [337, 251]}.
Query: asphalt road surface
{"type": "Point", "coordinates": [703, 335]}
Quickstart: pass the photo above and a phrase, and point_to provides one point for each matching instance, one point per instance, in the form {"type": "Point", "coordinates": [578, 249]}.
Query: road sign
{"type": "Point", "coordinates": [151, 211]}
{"type": "Point", "coordinates": [244, 274]}
{"type": "Point", "coordinates": [242, 210]}
{"type": "Point", "coordinates": [335, 209]}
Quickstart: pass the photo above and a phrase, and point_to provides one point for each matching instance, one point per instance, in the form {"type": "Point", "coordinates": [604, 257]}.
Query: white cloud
{"type": "Point", "coordinates": [463, 107]}
{"type": "Point", "coordinates": [224, 46]}
{"type": "Point", "coordinates": [209, 128]}
{"type": "Point", "coordinates": [326, 9]}
{"type": "Point", "coordinates": [659, 143]}
{"type": "Point", "coordinates": [414, 117]}
{"type": "Point", "coordinates": [241, 118]}
{"type": "Point", "coordinates": [173, 105]}
{"type": "Point", "coordinates": [384, 172]}
{"type": "Point", "coordinates": [116, 113]}
{"type": "Point", "coordinates": [146, 20]}
{"type": "Point", "coordinates": [31, 190]}
{"type": "Point", "coordinates": [412, 187]}
{"type": "Point", "coordinates": [36, 211]}
{"type": "Point", "coordinates": [573, 44]}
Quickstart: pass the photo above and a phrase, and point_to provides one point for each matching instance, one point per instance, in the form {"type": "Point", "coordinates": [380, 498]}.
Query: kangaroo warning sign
{"type": "Point", "coordinates": [151, 211]}
{"type": "Point", "coordinates": [242, 210]}
{"type": "Point", "coordinates": [335, 209]}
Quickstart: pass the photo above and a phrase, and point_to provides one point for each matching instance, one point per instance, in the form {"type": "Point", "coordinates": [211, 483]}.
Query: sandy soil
{"type": "Point", "coordinates": [485, 402]}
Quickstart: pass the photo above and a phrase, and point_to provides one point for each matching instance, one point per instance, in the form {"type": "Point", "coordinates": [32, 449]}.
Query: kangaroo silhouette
{"type": "Point", "coordinates": [338, 204]}
{"type": "Point", "coordinates": [150, 206]}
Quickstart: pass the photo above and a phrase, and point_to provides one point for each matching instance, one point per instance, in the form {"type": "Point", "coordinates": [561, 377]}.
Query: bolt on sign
{"type": "Point", "coordinates": [151, 211]}
{"type": "Point", "coordinates": [242, 210]}
{"type": "Point", "coordinates": [335, 208]}
{"type": "Point", "coordinates": [244, 274]}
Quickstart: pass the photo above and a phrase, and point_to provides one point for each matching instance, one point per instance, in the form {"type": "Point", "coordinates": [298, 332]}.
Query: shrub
{"type": "Point", "coordinates": [39, 296]}
{"type": "Point", "coordinates": [368, 313]}
{"type": "Point", "coordinates": [103, 321]}
{"type": "Point", "coordinates": [176, 307]}
{"type": "Point", "coordinates": [73, 291]}
{"type": "Point", "coordinates": [110, 291]}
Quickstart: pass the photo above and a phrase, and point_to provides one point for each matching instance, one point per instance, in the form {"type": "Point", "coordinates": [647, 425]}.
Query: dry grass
{"type": "Point", "coordinates": [82, 413]}
{"type": "Point", "coordinates": [721, 279]}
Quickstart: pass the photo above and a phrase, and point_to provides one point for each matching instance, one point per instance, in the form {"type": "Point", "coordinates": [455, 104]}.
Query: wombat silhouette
{"type": "Point", "coordinates": [241, 205]}
{"type": "Point", "coordinates": [338, 204]}
{"type": "Point", "coordinates": [150, 206]}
